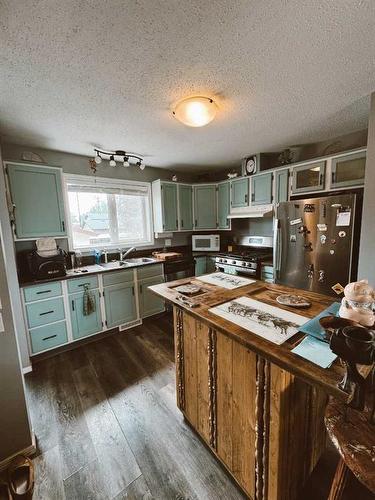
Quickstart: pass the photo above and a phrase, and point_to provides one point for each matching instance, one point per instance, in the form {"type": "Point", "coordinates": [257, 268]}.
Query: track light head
{"type": "Point", "coordinates": [112, 162]}
{"type": "Point", "coordinates": [126, 161]}
{"type": "Point", "coordinates": [98, 158]}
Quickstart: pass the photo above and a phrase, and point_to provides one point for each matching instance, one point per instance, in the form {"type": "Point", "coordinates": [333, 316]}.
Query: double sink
{"type": "Point", "coordinates": [119, 264]}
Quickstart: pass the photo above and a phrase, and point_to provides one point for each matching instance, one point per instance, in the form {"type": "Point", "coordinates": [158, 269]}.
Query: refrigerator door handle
{"type": "Point", "coordinates": [277, 247]}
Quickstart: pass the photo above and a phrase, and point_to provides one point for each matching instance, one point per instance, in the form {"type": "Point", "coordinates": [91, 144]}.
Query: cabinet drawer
{"type": "Point", "coordinates": [150, 270]}
{"type": "Point", "coordinates": [118, 277]}
{"type": "Point", "coordinates": [45, 291]}
{"type": "Point", "coordinates": [44, 312]}
{"type": "Point", "coordinates": [46, 337]}
{"type": "Point", "coordinates": [76, 285]}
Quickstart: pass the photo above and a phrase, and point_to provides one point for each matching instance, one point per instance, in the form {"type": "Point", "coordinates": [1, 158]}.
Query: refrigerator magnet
{"type": "Point", "coordinates": [322, 227]}
{"type": "Point", "coordinates": [343, 218]}
{"type": "Point", "coordinates": [295, 221]}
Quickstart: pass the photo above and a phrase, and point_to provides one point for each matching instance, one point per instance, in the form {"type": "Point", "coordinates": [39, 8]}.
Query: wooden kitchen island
{"type": "Point", "coordinates": [257, 406]}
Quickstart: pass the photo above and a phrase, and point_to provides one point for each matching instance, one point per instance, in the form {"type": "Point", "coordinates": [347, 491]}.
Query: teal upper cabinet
{"type": "Point", "coordinates": [223, 205]}
{"type": "Point", "coordinates": [240, 192]}
{"type": "Point", "coordinates": [185, 202]}
{"type": "Point", "coordinates": [164, 199]}
{"type": "Point", "coordinates": [348, 170]}
{"type": "Point", "coordinates": [149, 303]}
{"type": "Point", "coordinates": [281, 185]}
{"type": "Point", "coordinates": [119, 304]}
{"type": "Point", "coordinates": [308, 177]}
{"type": "Point", "coordinates": [205, 206]}
{"type": "Point", "coordinates": [38, 200]}
{"type": "Point", "coordinates": [261, 189]}
{"type": "Point", "coordinates": [84, 325]}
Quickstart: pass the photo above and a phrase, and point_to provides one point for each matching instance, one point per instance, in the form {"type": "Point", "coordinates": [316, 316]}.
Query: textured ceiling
{"type": "Point", "coordinates": [75, 74]}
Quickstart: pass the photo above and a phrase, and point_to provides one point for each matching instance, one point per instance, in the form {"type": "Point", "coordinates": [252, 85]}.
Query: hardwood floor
{"type": "Point", "coordinates": [107, 426]}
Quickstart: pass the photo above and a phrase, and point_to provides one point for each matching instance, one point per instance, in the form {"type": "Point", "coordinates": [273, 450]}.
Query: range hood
{"type": "Point", "coordinates": [253, 212]}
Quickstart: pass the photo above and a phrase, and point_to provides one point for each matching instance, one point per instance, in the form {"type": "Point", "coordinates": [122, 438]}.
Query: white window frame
{"type": "Point", "coordinates": [87, 180]}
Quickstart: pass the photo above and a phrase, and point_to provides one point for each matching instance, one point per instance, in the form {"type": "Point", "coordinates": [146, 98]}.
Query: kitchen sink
{"type": "Point", "coordinates": [140, 260]}
{"type": "Point", "coordinates": [115, 265]}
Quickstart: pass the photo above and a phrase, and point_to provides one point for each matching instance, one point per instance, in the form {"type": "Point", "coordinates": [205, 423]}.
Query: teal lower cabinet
{"type": "Point", "coordinates": [200, 265]}
{"type": "Point", "coordinates": [120, 304]}
{"type": "Point", "coordinates": [48, 336]}
{"type": "Point", "coordinates": [149, 303]}
{"type": "Point", "coordinates": [210, 265]}
{"type": "Point", "coordinates": [84, 325]}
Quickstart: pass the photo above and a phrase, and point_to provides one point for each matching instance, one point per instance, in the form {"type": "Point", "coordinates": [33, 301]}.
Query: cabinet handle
{"type": "Point", "coordinates": [63, 225]}
{"type": "Point", "coordinates": [182, 222]}
{"type": "Point", "coordinates": [333, 177]}
{"type": "Point", "coordinates": [245, 198]}
{"type": "Point", "coordinates": [43, 291]}
{"type": "Point", "coordinates": [320, 179]}
{"type": "Point", "coordinates": [73, 305]}
{"type": "Point", "coordinates": [50, 337]}
{"type": "Point", "coordinates": [176, 223]}
{"type": "Point", "coordinates": [252, 196]}
{"type": "Point", "coordinates": [133, 290]}
{"type": "Point", "coordinates": [84, 284]}
{"type": "Point", "coordinates": [196, 223]}
{"type": "Point", "coordinates": [47, 312]}
{"type": "Point", "coordinates": [141, 288]}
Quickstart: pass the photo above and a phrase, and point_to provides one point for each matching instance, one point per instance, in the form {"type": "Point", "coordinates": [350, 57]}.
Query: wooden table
{"type": "Point", "coordinates": [258, 406]}
{"type": "Point", "coordinates": [354, 438]}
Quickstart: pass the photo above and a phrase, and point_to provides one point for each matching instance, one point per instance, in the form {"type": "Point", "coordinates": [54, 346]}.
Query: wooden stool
{"type": "Point", "coordinates": [354, 438]}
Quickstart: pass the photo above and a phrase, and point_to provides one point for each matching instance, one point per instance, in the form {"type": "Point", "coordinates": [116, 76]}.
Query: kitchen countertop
{"type": "Point", "coordinates": [280, 355]}
{"type": "Point", "coordinates": [92, 269]}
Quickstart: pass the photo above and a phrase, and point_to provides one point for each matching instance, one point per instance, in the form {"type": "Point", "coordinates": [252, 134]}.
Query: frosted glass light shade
{"type": "Point", "coordinates": [195, 111]}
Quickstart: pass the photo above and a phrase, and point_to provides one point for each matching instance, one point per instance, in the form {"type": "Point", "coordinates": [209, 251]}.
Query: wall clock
{"type": "Point", "coordinates": [249, 165]}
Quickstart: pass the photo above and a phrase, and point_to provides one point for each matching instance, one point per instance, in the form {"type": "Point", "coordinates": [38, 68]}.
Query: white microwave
{"type": "Point", "coordinates": [206, 242]}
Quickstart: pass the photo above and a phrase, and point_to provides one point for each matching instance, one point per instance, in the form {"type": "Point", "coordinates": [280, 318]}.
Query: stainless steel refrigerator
{"type": "Point", "coordinates": [316, 242]}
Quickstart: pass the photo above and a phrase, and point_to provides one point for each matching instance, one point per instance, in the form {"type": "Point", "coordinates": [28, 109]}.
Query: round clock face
{"type": "Point", "coordinates": [251, 166]}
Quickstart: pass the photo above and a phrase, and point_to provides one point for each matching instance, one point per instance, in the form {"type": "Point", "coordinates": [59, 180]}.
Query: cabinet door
{"type": "Point", "coordinates": [186, 206]}
{"type": "Point", "coordinates": [195, 347]}
{"type": "Point", "coordinates": [119, 304]}
{"type": "Point", "coordinates": [149, 303]}
{"type": "Point", "coordinates": [348, 170]}
{"type": "Point", "coordinates": [240, 192]}
{"type": "Point", "coordinates": [281, 186]}
{"type": "Point", "coordinates": [261, 189]}
{"type": "Point", "coordinates": [309, 177]}
{"type": "Point", "coordinates": [236, 409]}
{"type": "Point", "coordinates": [223, 201]}
{"type": "Point", "coordinates": [205, 206]}
{"type": "Point", "coordinates": [169, 201]}
{"type": "Point", "coordinates": [84, 325]}
{"type": "Point", "coordinates": [200, 265]}
{"type": "Point", "coordinates": [38, 199]}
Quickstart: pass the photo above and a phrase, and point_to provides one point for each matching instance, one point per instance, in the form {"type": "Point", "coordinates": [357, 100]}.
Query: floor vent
{"type": "Point", "coordinates": [126, 326]}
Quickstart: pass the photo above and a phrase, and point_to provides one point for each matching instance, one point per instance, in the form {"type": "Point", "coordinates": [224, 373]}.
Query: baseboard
{"type": "Point", "coordinates": [27, 369]}
{"type": "Point", "coordinates": [30, 450]}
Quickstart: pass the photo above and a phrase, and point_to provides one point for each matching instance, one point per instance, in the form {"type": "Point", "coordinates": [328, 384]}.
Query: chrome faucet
{"type": "Point", "coordinates": [123, 255]}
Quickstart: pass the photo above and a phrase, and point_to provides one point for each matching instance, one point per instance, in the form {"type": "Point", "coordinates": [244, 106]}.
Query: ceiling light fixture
{"type": "Point", "coordinates": [98, 158]}
{"type": "Point", "coordinates": [122, 156]}
{"type": "Point", "coordinates": [195, 111]}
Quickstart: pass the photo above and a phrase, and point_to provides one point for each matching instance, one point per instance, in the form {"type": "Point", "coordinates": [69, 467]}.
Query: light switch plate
{"type": "Point", "coordinates": [168, 242]}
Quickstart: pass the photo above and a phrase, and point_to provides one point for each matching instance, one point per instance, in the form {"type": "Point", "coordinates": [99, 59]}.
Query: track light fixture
{"type": "Point", "coordinates": [123, 157]}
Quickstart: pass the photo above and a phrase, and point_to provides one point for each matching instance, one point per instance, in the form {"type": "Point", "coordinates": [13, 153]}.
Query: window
{"type": "Point", "coordinates": [108, 212]}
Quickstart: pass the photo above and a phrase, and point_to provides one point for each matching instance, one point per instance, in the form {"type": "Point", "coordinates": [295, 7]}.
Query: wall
{"type": "Point", "coordinates": [12, 274]}
{"type": "Point", "coordinates": [15, 432]}
{"type": "Point", "coordinates": [76, 164]}
{"type": "Point", "coordinates": [367, 243]}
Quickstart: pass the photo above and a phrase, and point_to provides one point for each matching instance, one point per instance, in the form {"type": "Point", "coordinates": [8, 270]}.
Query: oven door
{"type": "Point", "coordinates": [246, 272]}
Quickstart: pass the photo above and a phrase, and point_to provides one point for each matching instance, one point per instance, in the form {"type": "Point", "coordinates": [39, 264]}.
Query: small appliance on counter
{"type": "Point", "coordinates": [47, 261]}
{"type": "Point", "coordinates": [205, 242]}
{"type": "Point", "coordinates": [247, 262]}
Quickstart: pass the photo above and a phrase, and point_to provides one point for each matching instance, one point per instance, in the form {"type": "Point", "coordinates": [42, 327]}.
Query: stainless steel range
{"type": "Point", "coordinates": [247, 261]}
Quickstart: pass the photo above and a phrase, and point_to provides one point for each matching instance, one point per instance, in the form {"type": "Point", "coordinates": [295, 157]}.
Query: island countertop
{"type": "Point", "coordinates": [281, 355]}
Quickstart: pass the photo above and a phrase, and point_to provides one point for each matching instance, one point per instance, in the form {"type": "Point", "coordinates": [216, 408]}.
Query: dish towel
{"type": "Point", "coordinates": [89, 305]}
